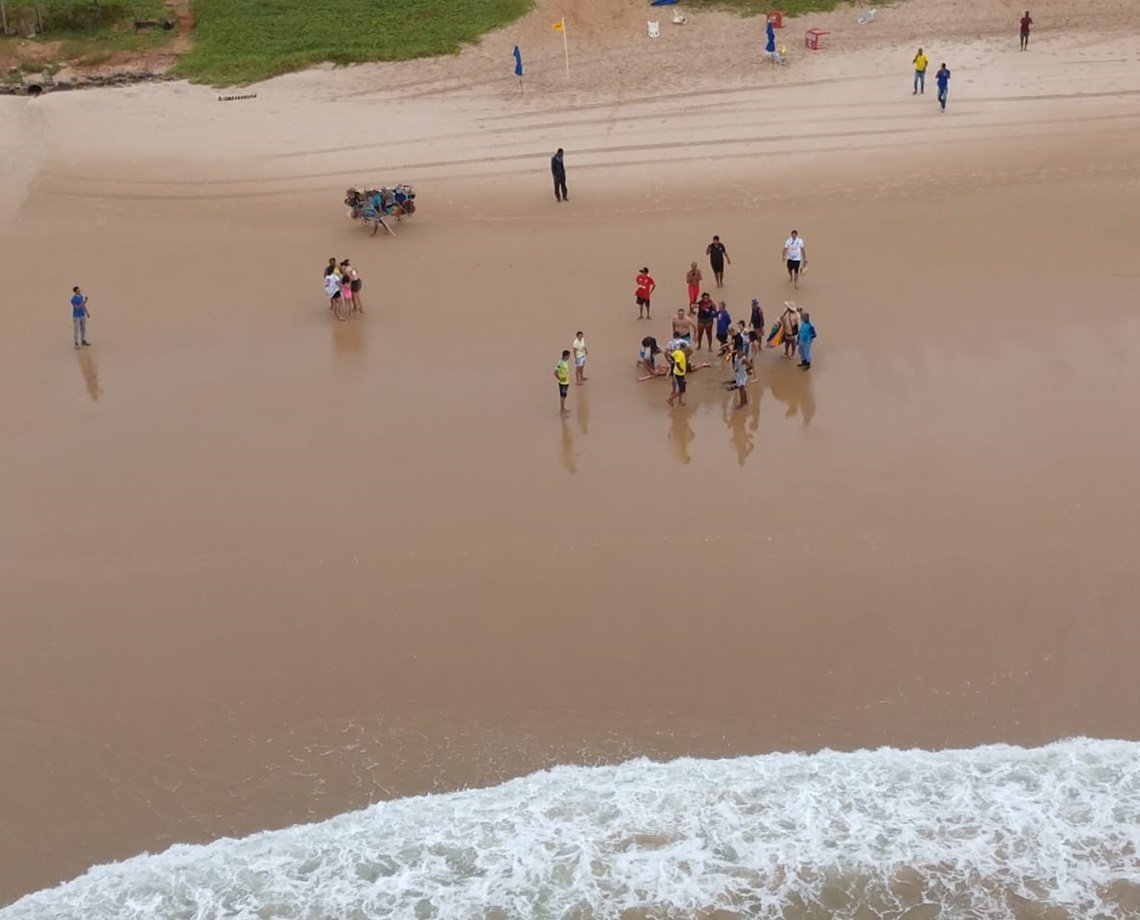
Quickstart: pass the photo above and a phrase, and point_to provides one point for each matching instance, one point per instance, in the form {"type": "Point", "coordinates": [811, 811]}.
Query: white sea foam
{"type": "Point", "coordinates": [988, 832]}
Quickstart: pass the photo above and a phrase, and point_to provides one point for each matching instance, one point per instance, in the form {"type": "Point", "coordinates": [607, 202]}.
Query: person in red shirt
{"type": "Point", "coordinates": [645, 286]}
{"type": "Point", "coordinates": [1026, 22]}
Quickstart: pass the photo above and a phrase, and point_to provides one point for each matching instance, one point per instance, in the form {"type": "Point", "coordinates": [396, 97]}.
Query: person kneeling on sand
{"type": "Point", "coordinates": [647, 359]}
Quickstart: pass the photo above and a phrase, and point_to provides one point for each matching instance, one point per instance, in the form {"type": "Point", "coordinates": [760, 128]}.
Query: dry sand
{"type": "Point", "coordinates": [260, 567]}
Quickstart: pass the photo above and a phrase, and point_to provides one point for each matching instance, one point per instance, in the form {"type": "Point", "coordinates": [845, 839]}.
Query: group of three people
{"type": "Point", "coordinates": [342, 287]}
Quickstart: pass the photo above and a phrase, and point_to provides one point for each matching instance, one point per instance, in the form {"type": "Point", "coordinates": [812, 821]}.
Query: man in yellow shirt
{"type": "Point", "coordinates": [680, 369]}
{"type": "Point", "coordinates": [920, 62]}
{"type": "Point", "coordinates": [562, 375]}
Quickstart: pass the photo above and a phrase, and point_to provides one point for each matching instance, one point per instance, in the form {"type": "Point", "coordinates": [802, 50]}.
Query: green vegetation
{"type": "Point", "coordinates": [89, 34]}
{"type": "Point", "coordinates": [241, 41]}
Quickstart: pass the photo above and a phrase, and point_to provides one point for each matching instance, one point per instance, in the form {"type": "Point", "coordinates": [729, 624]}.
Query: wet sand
{"type": "Point", "coordinates": [261, 567]}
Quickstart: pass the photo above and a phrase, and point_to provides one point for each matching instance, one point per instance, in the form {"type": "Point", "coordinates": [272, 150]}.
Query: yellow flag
{"type": "Point", "coordinates": [558, 26]}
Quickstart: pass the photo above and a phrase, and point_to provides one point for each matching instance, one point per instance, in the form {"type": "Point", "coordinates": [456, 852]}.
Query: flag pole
{"type": "Point", "coordinates": [565, 48]}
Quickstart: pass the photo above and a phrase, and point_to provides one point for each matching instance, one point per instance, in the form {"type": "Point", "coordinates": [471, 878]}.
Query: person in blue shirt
{"type": "Point", "coordinates": [807, 336]}
{"type": "Point", "coordinates": [79, 314]}
{"type": "Point", "coordinates": [723, 324]}
{"type": "Point", "coordinates": [942, 78]}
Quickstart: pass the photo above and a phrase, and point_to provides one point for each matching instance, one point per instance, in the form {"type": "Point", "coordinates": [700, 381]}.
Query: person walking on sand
{"type": "Point", "coordinates": [562, 375]}
{"type": "Point", "coordinates": [693, 281]}
{"type": "Point", "coordinates": [718, 255]}
{"type": "Point", "coordinates": [795, 257]}
{"type": "Point", "coordinates": [580, 352]}
{"type": "Point", "coordinates": [558, 170]}
{"type": "Point", "coordinates": [942, 78]}
{"type": "Point", "coordinates": [1026, 22]}
{"type": "Point", "coordinates": [807, 337]}
{"type": "Point", "coordinates": [920, 64]}
{"type": "Point", "coordinates": [680, 370]}
{"type": "Point", "coordinates": [645, 285]}
{"type": "Point", "coordinates": [790, 320]}
{"type": "Point", "coordinates": [79, 316]}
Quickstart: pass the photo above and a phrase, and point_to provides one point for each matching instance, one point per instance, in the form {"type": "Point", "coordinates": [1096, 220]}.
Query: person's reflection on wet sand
{"type": "Point", "coordinates": [90, 375]}
{"type": "Point", "coordinates": [348, 338]}
{"type": "Point", "coordinates": [568, 453]}
{"type": "Point", "coordinates": [681, 432]}
{"type": "Point", "coordinates": [793, 388]}
{"type": "Point", "coordinates": [739, 429]}
{"type": "Point", "coordinates": [583, 405]}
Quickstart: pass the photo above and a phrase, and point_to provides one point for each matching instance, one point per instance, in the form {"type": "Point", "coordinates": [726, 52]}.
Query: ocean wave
{"type": "Point", "coordinates": [996, 831]}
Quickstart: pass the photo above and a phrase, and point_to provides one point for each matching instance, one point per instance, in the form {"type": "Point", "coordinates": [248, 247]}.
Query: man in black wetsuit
{"type": "Point", "coordinates": [558, 170]}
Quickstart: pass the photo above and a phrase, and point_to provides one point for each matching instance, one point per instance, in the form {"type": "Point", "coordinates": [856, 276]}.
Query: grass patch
{"type": "Point", "coordinates": [89, 35]}
{"type": "Point", "coordinates": [241, 41]}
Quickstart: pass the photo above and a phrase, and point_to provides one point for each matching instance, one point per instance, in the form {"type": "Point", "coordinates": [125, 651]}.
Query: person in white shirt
{"type": "Point", "coordinates": [580, 352]}
{"type": "Point", "coordinates": [795, 257]}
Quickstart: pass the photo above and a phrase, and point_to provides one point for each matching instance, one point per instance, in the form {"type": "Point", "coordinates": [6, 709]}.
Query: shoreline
{"type": "Point", "coordinates": [262, 571]}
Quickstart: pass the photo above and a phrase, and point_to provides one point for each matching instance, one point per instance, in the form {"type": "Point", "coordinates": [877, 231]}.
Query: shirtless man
{"type": "Point", "coordinates": [683, 326]}
{"type": "Point", "coordinates": [693, 282]}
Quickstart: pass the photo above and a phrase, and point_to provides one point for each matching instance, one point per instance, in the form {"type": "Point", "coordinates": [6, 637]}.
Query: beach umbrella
{"type": "Point", "coordinates": [771, 49]}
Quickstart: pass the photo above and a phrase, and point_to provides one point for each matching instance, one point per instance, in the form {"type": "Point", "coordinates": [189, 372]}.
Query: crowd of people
{"type": "Point", "coordinates": [739, 343]}
{"type": "Point", "coordinates": [342, 287]}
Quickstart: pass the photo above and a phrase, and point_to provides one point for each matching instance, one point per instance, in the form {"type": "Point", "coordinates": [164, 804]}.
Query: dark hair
{"type": "Point", "coordinates": [566, 353]}
{"type": "Point", "coordinates": [716, 239]}
{"type": "Point", "coordinates": [559, 150]}
{"type": "Point", "coordinates": [75, 290]}
{"type": "Point", "coordinates": [579, 332]}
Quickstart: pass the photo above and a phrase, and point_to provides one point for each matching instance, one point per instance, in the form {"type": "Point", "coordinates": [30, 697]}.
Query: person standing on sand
{"type": "Point", "coordinates": [807, 336]}
{"type": "Point", "coordinates": [1026, 22]}
{"type": "Point", "coordinates": [756, 320]}
{"type": "Point", "coordinates": [693, 281]}
{"type": "Point", "coordinates": [558, 170]}
{"type": "Point", "coordinates": [723, 324]}
{"type": "Point", "coordinates": [332, 291]}
{"type": "Point", "coordinates": [645, 285]}
{"type": "Point", "coordinates": [580, 352]}
{"type": "Point", "coordinates": [795, 257]}
{"type": "Point", "coordinates": [942, 78]}
{"type": "Point", "coordinates": [79, 316]}
{"type": "Point", "coordinates": [718, 255]}
{"type": "Point", "coordinates": [741, 368]}
{"type": "Point", "coordinates": [355, 284]}
{"type": "Point", "coordinates": [920, 63]}
{"type": "Point", "coordinates": [790, 320]}
{"type": "Point", "coordinates": [562, 375]}
{"type": "Point", "coordinates": [680, 370]}
{"type": "Point", "coordinates": [683, 326]}
{"type": "Point", "coordinates": [706, 316]}
{"type": "Point", "coordinates": [346, 288]}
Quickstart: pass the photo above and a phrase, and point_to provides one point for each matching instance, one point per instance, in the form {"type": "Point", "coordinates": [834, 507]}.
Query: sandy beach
{"type": "Point", "coordinates": [261, 568]}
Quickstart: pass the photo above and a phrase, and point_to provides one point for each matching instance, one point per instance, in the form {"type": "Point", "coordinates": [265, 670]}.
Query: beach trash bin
{"type": "Point", "coordinates": [813, 39]}
{"type": "Point", "coordinates": [776, 20]}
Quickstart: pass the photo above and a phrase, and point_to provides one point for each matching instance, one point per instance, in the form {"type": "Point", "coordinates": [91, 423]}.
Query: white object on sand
{"type": "Point", "coordinates": [864, 18]}
{"type": "Point", "coordinates": [654, 28]}
{"type": "Point", "coordinates": [678, 18]}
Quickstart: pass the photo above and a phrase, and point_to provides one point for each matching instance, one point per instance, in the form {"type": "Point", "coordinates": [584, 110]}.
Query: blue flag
{"type": "Point", "coordinates": [518, 62]}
